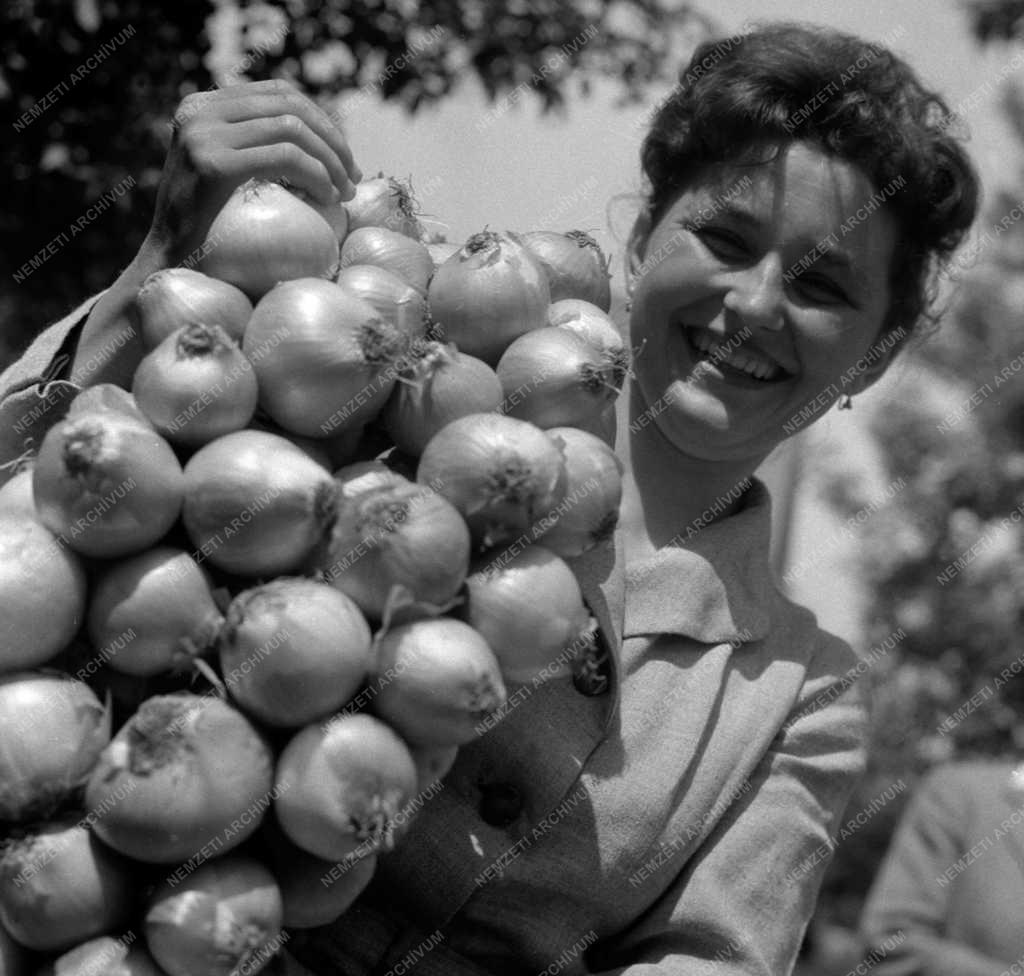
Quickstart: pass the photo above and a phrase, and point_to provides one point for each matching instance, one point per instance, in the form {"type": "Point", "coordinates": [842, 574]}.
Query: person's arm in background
{"type": "Point", "coordinates": [906, 908]}
{"type": "Point", "coordinates": [221, 138]}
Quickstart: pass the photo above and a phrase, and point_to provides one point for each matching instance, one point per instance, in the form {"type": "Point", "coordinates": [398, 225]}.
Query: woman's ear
{"type": "Point", "coordinates": [636, 247]}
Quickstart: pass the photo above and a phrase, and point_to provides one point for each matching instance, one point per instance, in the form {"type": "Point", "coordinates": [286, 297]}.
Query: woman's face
{"type": "Point", "coordinates": [759, 289]}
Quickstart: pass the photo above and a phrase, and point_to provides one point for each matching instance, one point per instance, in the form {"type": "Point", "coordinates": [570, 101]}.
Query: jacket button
{"type": "Point", "coordinates": [500, 804]}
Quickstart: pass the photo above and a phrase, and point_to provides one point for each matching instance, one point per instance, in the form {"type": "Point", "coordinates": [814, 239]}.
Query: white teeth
{"type": "Point", "coordinates": [735, 358]}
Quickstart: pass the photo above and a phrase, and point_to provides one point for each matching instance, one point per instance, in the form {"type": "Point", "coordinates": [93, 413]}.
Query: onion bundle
{"type": "Point", "coordinates": [334, 702]}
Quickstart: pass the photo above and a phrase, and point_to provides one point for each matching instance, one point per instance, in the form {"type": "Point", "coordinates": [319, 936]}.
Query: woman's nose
{"type": "Point", "coordinates": [756, 294]}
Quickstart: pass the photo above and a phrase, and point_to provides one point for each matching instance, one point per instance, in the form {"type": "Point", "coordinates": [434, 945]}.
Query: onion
{"type": "Point", "coordinates": [186, 776]}
{"type": "Point", "coordinates": [293, 650]}
{"type": "Point", "coordinates": [14, 959]}
{"type": "Point", "coordinates": [384, 202]}
{"type": "Point", "coordinates": [435, 681]}
{"type": "Point", "coordinates": [42, 592]}
{"type": "Point", "coordinates": [553, 378]}
{"type": "Point", "coordinates": [527, 604]}
{"type": "Point", "coordinates": [109, 485]}
{"type": "Point", "coordinates": [105, 956]}
{"type": "Point", "coordinates": [441, 251]}
{"type": "Point", "coordinates": [438, 386]}
{"type": "Point", "coordinates": [263, 235]}
{"type": "Point", "coordinates": [321, 450]}
{"type": "Point", "coordinates": [106, 397]}
{"type": "Point", "coordinates": [333, 364]}
{"type": "Point", "coordinates": [574, 264]}
{"type": "Point", "coordinates": [487, 294]}
{"type": "Point", "coordinates": [591, 323]}
{"type": "Point", "coordinates": [52, 731]}
{"type": "Point", "coordinates": [222, 920]}
{"type": "Point", "coordinates": [59, 886]}
{"type": "Point", "coordinates": [395, 300]}
{"type": "Point", "coordinates": [354, 479]}
{"type": "Point", "coordinates": [313, 891]}
{"type": "Point", "coordinates": [403, 536]}
{"type": "Point", "coordinates": [432, 764]}
{"type": "Point", "coordinates": [16, 496]}
{"type": "Point", "coordinates": [499, 472]}
{"type": "Point", "coordinates": [153, 612]}
{"type": "Point", "coordinates": [256, 504]}
{"type": "Point", "coordinates": [589, 513]}
{"type": "Point", "coordinates": [196, 385]}
{"type": "Point", "coordinates": [342, 787]}
{"type": "Point", "coordinates": [390, 250]}
{"type": "Point", "coordinates": [176, 297]}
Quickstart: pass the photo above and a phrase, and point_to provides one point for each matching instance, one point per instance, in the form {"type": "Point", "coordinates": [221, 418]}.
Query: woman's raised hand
{"type": "Point", "coordinates": [223, 137]}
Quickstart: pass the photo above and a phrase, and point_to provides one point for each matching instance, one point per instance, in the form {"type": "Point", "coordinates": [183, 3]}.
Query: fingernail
{"type": "Point", "coordinates": [357, 176]}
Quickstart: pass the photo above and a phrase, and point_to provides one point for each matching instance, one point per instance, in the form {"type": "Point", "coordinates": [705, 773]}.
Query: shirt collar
{"type": "Point", "coordinates": [716, 586]}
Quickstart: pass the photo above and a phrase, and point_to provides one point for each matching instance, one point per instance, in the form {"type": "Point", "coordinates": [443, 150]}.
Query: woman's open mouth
{"type": "Point", "coordinates": [730, 357]}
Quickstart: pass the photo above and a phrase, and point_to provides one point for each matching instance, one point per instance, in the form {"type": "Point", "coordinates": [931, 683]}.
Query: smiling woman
{"type": "Point", "coordinates": [665, 798]}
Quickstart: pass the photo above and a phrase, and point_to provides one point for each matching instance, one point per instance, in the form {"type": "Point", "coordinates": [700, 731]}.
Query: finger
{"type": "Point", "coordinates": [242, 102]}
{"type": "Point", "coordinates": [287, 128]}
{"type": "Point", "coordinates": [282, 160]}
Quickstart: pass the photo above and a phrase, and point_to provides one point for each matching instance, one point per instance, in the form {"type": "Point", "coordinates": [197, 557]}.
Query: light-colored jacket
{"type": "Point", "coordinates": [949, 897]}
{"type": "Point", "coordinates": [677, 822]}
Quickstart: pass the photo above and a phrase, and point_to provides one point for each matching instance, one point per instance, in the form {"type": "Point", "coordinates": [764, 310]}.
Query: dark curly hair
{"type": "Point", "coordinates": [786, 82]}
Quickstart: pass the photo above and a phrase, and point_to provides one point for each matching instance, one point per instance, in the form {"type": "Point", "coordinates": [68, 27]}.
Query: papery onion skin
{"type": "Point", "coordinates": [314, 892]}
{"type": "Point", "coordinates": [54, 729]}
{"type": "Point", "coordinates": [185, 774]}
{"type": "Point", "coordinates": [176, 297]}
{"type": "Point", "coordinates": [333, 362]}
{"type": "Point", "coordinates": [104, 398]}
{"type": "Point", "coordinates": [588, 514]}
{"type": "Point", "coordinates": [589, 322]}
{"type": "Point", "coordinates": [395, 300]}
{"type": "Point", "coordinates": [153, 612]}
{"type": "Point", "coordinates": [104, 956]}
{"type": "Point", "coordinates": [264, 235]}
{"type": "Point", "coordinates": [435, 681]}
{"type": "Point", "coordinates": [553, 378]}
{"type": "Point", "coordinates": [527, 604]}
{"type": "Point", "coordinates": [400, 535]}
{"type": "Point", "coordinates": [222, 920]}
{"type": "Point", "coordinates": [293, 651]}
{"type": "Point", "coordinates": [384, 201]}
{"type": "Point", "coordinates": [196, 385]}
{"type": "Point", "coordinates": [342, 788]}
{"type": "Point", "coordinates": [354, 479]}
{"type": "Point", "coordinates": [438, 386]}
{"type": "Point", "coordinates": [488, 293]}
{"type": "Point", "coordinates": [255, 503]}
{"type": "Point", "coordinates": [499, 472]}
{"type": "Point", "coordinates": [42, 592]}
{"type": "Point", "coordinates": [390, 250]}
{"type": "Point", "coordinates": [109, 485]}
{"type": "Point", "coordinates": [574, 264]}
{"type": "Point", "coordinates": [441, 251]}
{"type": "Point", "coordinates": [59, 885]}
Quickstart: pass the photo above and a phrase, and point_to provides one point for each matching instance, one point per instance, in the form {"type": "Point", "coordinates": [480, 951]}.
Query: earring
{"type": "Point", "coordinates": [845, 402]}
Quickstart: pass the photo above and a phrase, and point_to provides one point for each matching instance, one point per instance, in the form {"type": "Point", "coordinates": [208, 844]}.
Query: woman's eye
{"type": "Point", "coordinates": [820, 289]}
{"type": "Point", "coordinates": [722, 243]}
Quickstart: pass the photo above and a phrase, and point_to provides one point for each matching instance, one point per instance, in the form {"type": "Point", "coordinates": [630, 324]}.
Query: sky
{"type": "Point", "coordinates": [580, 169]}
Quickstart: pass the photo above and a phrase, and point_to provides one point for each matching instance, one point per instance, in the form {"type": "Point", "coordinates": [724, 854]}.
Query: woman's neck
{"type": "Point", "coordinates": [668, 495]}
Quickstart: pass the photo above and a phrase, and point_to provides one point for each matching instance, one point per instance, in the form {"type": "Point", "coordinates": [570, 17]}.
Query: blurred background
{"type": "Point", "coordinates": [895, 519]}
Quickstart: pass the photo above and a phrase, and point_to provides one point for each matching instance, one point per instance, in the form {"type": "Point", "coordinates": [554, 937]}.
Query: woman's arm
{"type": "Point", "coordinates": [907, 908]}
